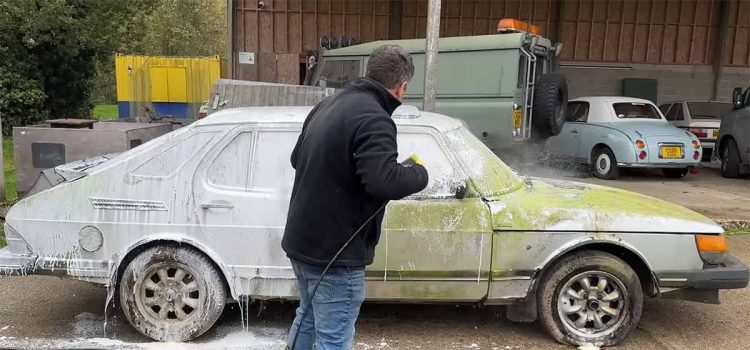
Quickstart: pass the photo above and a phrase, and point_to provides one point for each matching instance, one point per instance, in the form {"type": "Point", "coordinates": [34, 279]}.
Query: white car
{"type": "Point", "coordinates": [187, 221]}
{"type": "Point", "coordinates": [701, 118]}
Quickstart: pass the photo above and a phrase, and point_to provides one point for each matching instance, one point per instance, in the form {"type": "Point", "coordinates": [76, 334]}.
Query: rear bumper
{"type": "Point", "coordinates": [15, 264]}
{"type": "Point", "coordinates": [659, 165]}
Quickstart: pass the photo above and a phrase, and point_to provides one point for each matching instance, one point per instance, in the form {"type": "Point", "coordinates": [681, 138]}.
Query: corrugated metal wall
{"type": "Point", "coordinates": [626, 31]}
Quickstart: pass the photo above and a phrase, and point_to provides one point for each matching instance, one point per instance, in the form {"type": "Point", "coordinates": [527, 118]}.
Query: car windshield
{"type": "Point", "coordinates": [636, 110]}
{"type": "Point", "coordinates": [708, 110]}
{"type": "Point", "coordinates": [488, 173]}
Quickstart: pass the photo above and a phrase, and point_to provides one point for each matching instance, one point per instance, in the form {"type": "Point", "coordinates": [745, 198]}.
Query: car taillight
{"type": "Point", "coordinates": [201, 115]}
{"type": "Point", "coordinates": [701, 133]}
{"type": "Point", "coordinates": [696, 144]}
{"type": "Point", "coordinates": [640, 144]}
{"type": "Point", "coordinates": [642, 155]}
{"type": "Point", "coordinates": [696, 155]}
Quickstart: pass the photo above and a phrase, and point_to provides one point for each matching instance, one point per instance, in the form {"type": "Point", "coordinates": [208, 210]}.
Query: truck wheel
{"type": "Point", "coordinates": [550, 103]}
{"type": "Point", "coordinates": [604, 164]}
{"type": "Point", "coordinates": [674, 173]}
{"type": "Point", "coordinates": [730, 160]}
{"type": "Point", "coordinates": [590, 297]}
{"type": "Point", "coordinates": [171, 293]}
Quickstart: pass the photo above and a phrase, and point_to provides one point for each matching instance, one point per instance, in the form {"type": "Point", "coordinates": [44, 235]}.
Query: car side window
{"type": "Point", "coordinates": [339, 73]}
{"type": "Point", "coordinates": [271, 170]}
{"type": "Point", "coordinates": [577, 112]}
{"type": "Point", "coordinates": [675, 113]}
{"type": "Point", "coordinates": [439, 168]}
{"type": "Point", "coordinates": [231, 168]}
{"type": "Point", "coordinates": [167, 163]}
{"type": "Point", "coordinates": [665, 109]}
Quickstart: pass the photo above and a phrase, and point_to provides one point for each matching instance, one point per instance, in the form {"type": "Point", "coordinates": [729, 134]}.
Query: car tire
{"type": "Point", "coordinates": [604, 164]}
{"type": "Point", "coordinates": [730, 160]}
{"type": "Point", "coordinates": [151, 284]}
{"type": "Point", "coordinates": [571, 315]}
{"type": "Point", "coordinates": [550, 104]}
{"type": "Point", "coordinates": [675, 173]}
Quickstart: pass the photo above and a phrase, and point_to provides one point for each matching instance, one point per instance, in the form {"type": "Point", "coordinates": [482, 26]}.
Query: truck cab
{"type": "Point", "coordinates": [503, 86]}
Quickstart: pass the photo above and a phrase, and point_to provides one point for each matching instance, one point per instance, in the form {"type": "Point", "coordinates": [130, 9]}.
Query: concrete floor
{"type": "Point", "coordinates": [48, 312]}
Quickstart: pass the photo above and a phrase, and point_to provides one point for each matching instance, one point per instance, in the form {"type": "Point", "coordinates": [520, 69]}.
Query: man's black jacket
{"type": "Point", "coordinates": [346, 168]}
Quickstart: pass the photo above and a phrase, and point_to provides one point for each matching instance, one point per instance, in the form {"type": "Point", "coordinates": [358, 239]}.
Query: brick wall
{"type": "Point", "coordinates": [675, 82]}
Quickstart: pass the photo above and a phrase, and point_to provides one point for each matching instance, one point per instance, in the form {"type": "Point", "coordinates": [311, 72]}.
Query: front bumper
{"type": "Point", "coordinates": [703, 285]}
{"type": "Point", "coordinates": [15, 264]}
{"type": "Point", "coordinates": [730, 274]}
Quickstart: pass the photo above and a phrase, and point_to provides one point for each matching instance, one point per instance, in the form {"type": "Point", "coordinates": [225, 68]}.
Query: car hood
{"type": "Point", "coordinates": [556, 205]}
{"type": "Point", "coordinates": [639, 129]}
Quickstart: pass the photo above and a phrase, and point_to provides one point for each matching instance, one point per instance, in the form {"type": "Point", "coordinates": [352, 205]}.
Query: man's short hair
{"type": "Point", "coordinates": [390, 65]}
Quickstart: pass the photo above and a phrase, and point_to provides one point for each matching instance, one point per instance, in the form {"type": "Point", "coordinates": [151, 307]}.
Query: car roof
{"type": "Point", "coordinates": [297, 114]}
{"type": "Point", "coordinates": [460, 43]}
{"type": "Point", "coordinates": [610, 99]}
{"type": "Point", "coordinates": [696, 101]}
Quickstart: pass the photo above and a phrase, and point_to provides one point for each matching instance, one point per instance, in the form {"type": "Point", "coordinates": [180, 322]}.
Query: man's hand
{"type": "Point", "coordinates": [412, 160]}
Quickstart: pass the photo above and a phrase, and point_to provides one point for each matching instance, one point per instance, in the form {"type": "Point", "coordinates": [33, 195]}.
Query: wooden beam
{"type": "Point", "coordinates": [721, 36]}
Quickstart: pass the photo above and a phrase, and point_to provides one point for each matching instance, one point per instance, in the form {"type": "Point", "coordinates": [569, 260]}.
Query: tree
{"type": "Point", "coordinates": [185, 28]}
{"type": "Point", "coordinates": [50, 49]}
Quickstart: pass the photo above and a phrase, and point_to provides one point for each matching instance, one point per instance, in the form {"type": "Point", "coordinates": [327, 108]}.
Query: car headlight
{"type": "Point", "coordinates": [711, 248]}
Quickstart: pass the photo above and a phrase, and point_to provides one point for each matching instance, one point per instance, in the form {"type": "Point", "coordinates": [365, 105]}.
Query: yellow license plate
{"type": "Point", "coordinates": [517, 118]}
{"type": "Point", "coordinates": [671, 152]}
{"type": "Point", "coordinates": [716, 133]}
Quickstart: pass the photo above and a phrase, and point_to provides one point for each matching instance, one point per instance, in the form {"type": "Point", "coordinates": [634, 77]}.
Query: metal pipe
{"type": "Point", "coordinates": [431, 51]}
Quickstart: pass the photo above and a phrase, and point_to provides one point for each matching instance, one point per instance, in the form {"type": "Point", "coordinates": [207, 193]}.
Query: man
{"type": "Point", "coordinates": [346, 171]}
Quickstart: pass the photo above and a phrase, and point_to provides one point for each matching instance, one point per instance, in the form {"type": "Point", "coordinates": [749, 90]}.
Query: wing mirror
{"type": "Point", "coordinates": [460, 189]}
{"type": "Point", "coordinates": [737, 98]}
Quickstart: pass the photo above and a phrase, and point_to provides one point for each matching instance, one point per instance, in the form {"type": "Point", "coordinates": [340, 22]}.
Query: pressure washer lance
{"type": "Point", "coordinates": [414, 159]}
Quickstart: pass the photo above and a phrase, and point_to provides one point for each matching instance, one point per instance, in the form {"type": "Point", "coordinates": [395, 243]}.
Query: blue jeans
{"type": "Point", "coordinates": [329, 323]}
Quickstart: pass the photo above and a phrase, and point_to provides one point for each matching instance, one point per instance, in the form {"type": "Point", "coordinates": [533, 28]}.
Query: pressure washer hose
{"type": "Point", "coordinates": [336, 256]}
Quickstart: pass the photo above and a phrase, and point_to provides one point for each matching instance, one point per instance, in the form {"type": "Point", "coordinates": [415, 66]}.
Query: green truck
{"type": "Point", "coordinates": [504, 86]}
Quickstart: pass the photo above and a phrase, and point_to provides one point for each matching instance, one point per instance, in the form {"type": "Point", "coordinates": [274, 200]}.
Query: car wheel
{"type": "Point", "coordinates": [604, 164]}
{"type": "Point", "coordinates": [590, 297]}
{"type": "Point", "coordinates": [675, 173]}
{"type": "Point", "coordinates": [550, 104]}
{"type": "Point", "coordinates": [171, 293]}
{"type": "Point", "coordinates": [730, 160]}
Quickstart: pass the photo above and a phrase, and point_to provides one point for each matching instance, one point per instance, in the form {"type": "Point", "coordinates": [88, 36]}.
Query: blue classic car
{"type": "Point", "coordinates": [611, 132]}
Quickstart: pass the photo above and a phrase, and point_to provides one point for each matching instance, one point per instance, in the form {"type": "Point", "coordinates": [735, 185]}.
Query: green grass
{"type": "Point", "coordinates": [2, 239]}
{"type": "Point", "coordinates": [10, 171]}
{"type": "Point", "coordinates": [106, 112]}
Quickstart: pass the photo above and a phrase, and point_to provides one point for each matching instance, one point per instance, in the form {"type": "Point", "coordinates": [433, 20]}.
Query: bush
{"type": "Point", "coordinates": [21, 101]}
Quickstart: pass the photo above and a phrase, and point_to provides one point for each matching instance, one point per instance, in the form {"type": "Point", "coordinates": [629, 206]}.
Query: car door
{"type": "Point", "coordinates": [242, 192]}
{"type": "Point", "coordinates": [433, 246]}
{"type": "Point", "coordinates": [569, 140]}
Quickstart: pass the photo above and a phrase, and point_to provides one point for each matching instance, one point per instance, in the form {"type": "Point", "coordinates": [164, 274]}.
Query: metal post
{"type": "Point", "coordinates": [719, 56]}
{"type": "Point", "coordinates": [230, 39]}
{"type": "Point", "coordinates": [431, 51]}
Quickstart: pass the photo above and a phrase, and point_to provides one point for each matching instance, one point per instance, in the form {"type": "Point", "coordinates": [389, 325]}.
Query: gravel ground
{"type": "Point", "coordinates": [48, 312]}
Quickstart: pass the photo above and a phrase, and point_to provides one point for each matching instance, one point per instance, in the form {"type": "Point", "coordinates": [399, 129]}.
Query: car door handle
{"type": "Point", "coordinates": [217, 205]}
{"type": "Point", "coordinates": [574, 131]}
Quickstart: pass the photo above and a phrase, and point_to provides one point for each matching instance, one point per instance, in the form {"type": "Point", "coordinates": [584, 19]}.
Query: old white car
{"type": "Point", "coordinates": [701, 118]}
{"type": "Point", "coordinates": [183, 223]}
